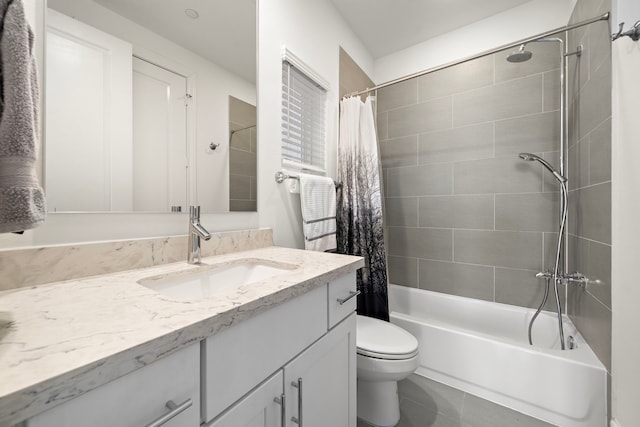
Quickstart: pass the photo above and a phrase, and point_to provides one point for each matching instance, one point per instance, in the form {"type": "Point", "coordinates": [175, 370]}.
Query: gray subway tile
{"type": "Point", "coordinates": [499, 175]}
{"type": "Point", "coordinates": [598, 270]}
{"type": "Point", "coordinates": [401, 211]}
{"type": "Point", "coordinates": [456, 79]}
{"type": "Point", "coordinates": [552, 90]}
{"type": "Point", "coordinates": [509, 99]}
{"type": "Point", "coordinates": [381, 124]}
{"type": "Point", "coordinates": [242, 113]}
{"type": "Point", "coordinates": [240, 138]}
{"type": "Point", "coordinates": [242, 206]}
{"type": "Point", "coordinates": [465, 143]}
{"type": "Point", "coordinates": [527, 212]}
{"type": "Point", "coordinates": [242, 162]}
{"type": "Point", "coordinates": [403, 271]}
{"type": "Point", "coordinates": [424, 117]}
{"type": "Point", "coordinates": [592, 259]}
{"type": "Point", "coordinates": [599, 46]}
{"type": "Point", "coordinates": [511, 249]}
{"type": "Point", "coordinates": [546, 56]}
{"type": "Point", "coordinates": [586, 9]}
{"type": "Point", "coordinates": [593, 320]}
{"type": "Point", "coordinates": [420, 180]}
{"type": "Point", "coordinates": [254, 140]}
{"type": "Point", "coordinates": [524, 289]}
{"type": "Point", "coordinates": [398, 95]}
{"type": "Point", "coordinates": [253, 182]}
{"type": "Point", "coordinates": [472, 281]}
{"type": "Point", "coordinates": [239, 186]}
{"type": "Point", "coordinates": [399, 151]}
{"type": "Point", "coordinates": [590, 212]}
{"type": "Point", "coordinates": [600, 153]}
{"type": "Point", "coordinates": [579, 164]}
{"type": "Point", "coordinates": [532, 134]}
{"type": "Point", "coordinates": [472, 211]}
{"type": "Point", "coordinates": [550, 248]}
{"type": "Point", "coordinates": [426, 243]}
{"type": "Point", "coordinates": [594, 101]}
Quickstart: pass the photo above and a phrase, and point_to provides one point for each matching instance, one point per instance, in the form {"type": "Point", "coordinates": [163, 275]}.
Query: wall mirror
{"type": "Point", "coordinates": [138, 105]}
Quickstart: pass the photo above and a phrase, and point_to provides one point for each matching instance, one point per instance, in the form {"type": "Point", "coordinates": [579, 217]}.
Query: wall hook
{"type": "Point", "coordinates": [634, 32]}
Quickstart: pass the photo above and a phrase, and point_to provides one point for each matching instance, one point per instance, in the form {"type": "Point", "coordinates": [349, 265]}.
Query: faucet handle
{"type": "Point", "coordinates": [194, 212]}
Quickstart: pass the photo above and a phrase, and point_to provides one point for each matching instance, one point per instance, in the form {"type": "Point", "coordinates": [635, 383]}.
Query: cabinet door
{"type": "Point", "coordinates": [136, 399]}
{"type": "Point", "coordinates": [260, 408]}
{"type": "Point", "coordinates": [320, 384]}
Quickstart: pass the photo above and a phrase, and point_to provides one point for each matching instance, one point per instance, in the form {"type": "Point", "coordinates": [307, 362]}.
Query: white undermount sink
{"type": "Point", "coordinates": [209, 280]}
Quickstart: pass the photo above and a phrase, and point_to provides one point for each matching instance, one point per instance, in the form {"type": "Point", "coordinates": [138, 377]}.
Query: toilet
{"type": "Point", "coordinates": [386, 354]}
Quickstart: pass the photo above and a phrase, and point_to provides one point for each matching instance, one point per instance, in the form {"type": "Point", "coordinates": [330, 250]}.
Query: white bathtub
{"type": "Point", "coordinates": [482, 348]}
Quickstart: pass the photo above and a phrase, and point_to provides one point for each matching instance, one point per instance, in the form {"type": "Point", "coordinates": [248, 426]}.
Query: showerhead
{"type": "Point", "coordinates": [519, 55]}
{"type": "Point", "coordinates": [532, 157]}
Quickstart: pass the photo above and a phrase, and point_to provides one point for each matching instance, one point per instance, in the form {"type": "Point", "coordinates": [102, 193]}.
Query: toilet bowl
{"type": "Point", "coordinates": [386, 354]}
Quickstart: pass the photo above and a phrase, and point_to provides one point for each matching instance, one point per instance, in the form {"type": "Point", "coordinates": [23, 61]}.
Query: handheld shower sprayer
{"type": "Point", "coordinates": [555, 276]}
{"type": "Point", "coordinates": [531, 157]}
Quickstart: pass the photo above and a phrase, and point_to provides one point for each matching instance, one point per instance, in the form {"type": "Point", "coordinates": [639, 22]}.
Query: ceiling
{"type": "Point", "coordinates": [224, 33]}
{"type": "Point", "coordinates": [387, 26]}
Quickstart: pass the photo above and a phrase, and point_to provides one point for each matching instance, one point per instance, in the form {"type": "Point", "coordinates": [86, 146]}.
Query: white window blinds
{"type": "Point", "coordinates": [303, 120]}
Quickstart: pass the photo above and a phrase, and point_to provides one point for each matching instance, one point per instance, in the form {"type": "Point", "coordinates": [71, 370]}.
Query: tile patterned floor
{"type": "Point", "coordinates": [427, 403]}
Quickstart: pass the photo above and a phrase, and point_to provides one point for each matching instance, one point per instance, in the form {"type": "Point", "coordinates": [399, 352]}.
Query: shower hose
{"type": "Point", "coordinates": [555, 277]}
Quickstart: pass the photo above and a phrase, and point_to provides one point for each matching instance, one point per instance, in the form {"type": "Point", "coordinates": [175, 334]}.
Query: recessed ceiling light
{"type": "Point", "coordinates": [191, 13]}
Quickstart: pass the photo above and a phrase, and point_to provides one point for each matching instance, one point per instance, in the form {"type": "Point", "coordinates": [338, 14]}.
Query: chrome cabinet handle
{"type": "Point", "coordinates": [175, 410]}
{"type": "Point", "coordinates": [352, 295]}
{"type": "Point", "coordinates": [298, 385]}
{"type": "Point", "coordinates": [282, 402]}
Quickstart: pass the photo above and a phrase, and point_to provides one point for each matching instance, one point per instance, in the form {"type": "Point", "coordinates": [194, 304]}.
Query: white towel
{"type": "Point", "coordinates": [318, 204]}
{"type": "Point", "coordinates": [22, 204]}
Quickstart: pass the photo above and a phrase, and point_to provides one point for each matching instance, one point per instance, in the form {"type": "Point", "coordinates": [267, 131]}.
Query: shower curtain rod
{"type": "Point", "coordinates": [603, 17]}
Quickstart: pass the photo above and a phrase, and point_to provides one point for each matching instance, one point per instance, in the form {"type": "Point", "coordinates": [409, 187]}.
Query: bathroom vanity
{"type": "Point", "coordinates": [110, 350]}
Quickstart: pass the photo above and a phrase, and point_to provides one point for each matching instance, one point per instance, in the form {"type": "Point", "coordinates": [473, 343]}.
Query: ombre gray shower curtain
{"type": "Point", "coordinates": [359, 211]}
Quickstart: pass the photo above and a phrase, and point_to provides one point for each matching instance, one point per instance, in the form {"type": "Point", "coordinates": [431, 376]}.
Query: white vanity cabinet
{"type": "Point", "coordinates": [137, 399]}
{"type": "Point", "coordinates": [319, 387]}
{"type": "Point", "coordinates": [284, 366]}
{"type": "Point", "coordinates": [307, 345]}
{"type": "Point", "coordinates": [320, 384]}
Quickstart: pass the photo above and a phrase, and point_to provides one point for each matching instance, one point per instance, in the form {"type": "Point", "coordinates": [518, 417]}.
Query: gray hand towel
{"type": "Point", "coordinates": [22, 203]}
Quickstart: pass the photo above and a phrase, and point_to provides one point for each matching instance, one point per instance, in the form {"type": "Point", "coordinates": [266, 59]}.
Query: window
{"type": "Point", "coordinates": [303, 116]}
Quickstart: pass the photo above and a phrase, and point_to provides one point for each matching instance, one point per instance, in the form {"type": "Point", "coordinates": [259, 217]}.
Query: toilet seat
{"type": "Point", "coordinates": [383, 340]}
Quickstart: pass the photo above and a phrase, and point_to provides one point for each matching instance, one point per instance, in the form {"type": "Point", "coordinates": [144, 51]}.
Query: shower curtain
{"type": "Point", "coordinates": [359, 213]}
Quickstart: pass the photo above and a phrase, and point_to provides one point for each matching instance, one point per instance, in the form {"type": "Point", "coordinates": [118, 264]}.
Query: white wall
{"type": "Point", "coordinates": [627, 11]}
{"type": "Point", "coordinates": [625, 292]}
{"type": "Point", "coordinates": [515, 24]}
{"type": "Point", "coordinates": [214, 84]}
{"type": "Point", "coordinates": [315, 37]}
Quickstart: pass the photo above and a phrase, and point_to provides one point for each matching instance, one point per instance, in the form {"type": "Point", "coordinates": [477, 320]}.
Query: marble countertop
{"type": "Point", "coordinates": [60, 340]}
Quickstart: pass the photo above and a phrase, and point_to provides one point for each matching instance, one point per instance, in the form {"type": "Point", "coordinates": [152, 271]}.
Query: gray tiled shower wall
{"type": "Point", "coordinates": [242, 156]}
{"type": "Point", "coordinates": [464, 214]}
{"type": "Point", "coordinates": [590, 177]}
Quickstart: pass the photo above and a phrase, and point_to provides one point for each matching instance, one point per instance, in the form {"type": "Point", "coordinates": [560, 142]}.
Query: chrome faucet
{"type": "Point", "coordinates": [196, 231]}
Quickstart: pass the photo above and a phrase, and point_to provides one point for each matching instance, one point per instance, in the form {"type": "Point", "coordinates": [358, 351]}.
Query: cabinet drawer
{"type": "Point", "coordinates": [257, 409]}
{"type": "Point", "coordinates": [136, 399]}
{"type": "Point", "coordinates": [339, 290]}
{"type": "Point", "coordinates": [239, 358]}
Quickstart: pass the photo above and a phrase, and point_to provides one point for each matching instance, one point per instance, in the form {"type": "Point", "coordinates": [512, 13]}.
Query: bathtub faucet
{"type": "Point", "coordinates": [581, 280]}
{"type": "Point", "coordinates": [196, 231]}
